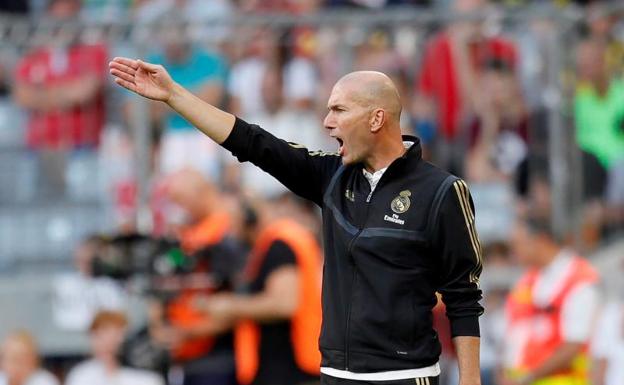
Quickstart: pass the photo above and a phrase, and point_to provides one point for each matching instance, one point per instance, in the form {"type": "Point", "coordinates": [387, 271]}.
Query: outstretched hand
{"type": "Point", "coordinates": [149, 80]}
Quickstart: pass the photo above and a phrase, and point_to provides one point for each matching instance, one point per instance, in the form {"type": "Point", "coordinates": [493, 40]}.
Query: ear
{"type": "Point", "coordinates": [377, 120]}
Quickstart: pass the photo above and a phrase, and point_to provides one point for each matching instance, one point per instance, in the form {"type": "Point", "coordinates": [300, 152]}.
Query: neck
{"type": "Point", "coordinates": [109, 362]}
{"type": "Point", "coordinates": [548, 255]}
{"type": "Point", "coordinates": [387, 150]}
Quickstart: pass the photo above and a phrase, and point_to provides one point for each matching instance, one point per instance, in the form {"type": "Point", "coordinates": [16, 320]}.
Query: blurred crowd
{"type": "Point", "coordinates": [491, 101]}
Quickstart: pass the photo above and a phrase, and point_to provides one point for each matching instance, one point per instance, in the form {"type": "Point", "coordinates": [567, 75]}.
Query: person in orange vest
{"type": "Point", "coordinates": [204, 230]}
{"type": "Point", "coordinates": [277, 316]}
{"type": "Point", "coordinates": [550, 311]}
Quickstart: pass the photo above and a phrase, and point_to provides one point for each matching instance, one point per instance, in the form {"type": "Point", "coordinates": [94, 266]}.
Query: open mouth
{"type": "Point", "coordinates": [341, 146]}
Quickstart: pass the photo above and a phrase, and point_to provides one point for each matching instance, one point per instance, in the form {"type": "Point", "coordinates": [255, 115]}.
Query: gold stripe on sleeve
{"type": "Point", "coordinates": [462, 195]}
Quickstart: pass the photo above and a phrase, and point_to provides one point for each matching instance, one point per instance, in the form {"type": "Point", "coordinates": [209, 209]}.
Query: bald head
{"type": "Point", "coordinates": [364, 111]}
{"type": "Point", "coordinates": [374, 90]}
{"type": "Point", "coordinates": [189, 189]}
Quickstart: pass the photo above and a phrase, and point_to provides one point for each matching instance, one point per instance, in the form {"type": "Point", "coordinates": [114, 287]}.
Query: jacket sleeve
{"type": "Point", "coordinates": [306, 173]}
{"type": "Point", "coordinates": [457, 244]}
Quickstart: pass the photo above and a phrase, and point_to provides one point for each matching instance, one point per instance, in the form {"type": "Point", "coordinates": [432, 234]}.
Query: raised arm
{"type": "Point", "coordinates": [305, 173]}
{"type": "Point", "coordinates": [153, 81]}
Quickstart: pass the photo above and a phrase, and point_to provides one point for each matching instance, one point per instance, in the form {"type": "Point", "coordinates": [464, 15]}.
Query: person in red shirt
{"type": "Point", "coordinates": [61, 87]}
{"type": "Point", "coordinates": [446, 83]}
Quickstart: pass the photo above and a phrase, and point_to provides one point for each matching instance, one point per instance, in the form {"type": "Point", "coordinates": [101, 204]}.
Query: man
{"type": "Point", "coordinates": [396, 228]}
{"type": "Point", "coordinates": [205, 235]}
{"type": "Point", "coordinates": [277, 312]}
{"type": "Point", "coordinates": [550, 313]}
{"type": "Point", "coordinates": [107, 332]}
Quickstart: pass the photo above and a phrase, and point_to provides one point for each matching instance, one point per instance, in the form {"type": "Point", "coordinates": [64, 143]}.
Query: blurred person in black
{"type": "Point", "coordinates": [204, 226]}
{"type": "Point", "coordinates": [19, 362]}
{"type": "Point", "coordinates": [276, 315]}
{"type": "Point", "coordinates": [383, 262]}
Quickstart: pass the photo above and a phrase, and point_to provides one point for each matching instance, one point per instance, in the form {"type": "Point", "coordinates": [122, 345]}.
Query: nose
{"type": "Point", "coordinates": [329, 122]}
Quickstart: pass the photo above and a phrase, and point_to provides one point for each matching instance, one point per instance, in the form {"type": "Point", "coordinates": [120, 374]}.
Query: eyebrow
{"type": "Point", "coordinates": [334, 106]}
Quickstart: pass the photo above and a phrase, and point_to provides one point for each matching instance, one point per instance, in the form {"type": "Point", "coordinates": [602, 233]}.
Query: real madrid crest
{"type": "Point", "coordinates": [401, 203]}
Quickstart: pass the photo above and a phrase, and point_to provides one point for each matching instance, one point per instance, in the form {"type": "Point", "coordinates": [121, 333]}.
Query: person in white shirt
{"type": "Point", "coordinates": [107, 334]}
{"type": "Point", "coordinates": [19, 362]}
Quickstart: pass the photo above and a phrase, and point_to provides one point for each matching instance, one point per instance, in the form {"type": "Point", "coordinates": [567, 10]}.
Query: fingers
{"type": "Point", "coordinates": [126, 84]}
{"type": "Point", "coordinates": [121, 67]}
{"type": "Point", "coordinates": [147, 66]}
{"type": "Point", "coordinates": [126, 62]}
{"type": "Point", "coordinates": [123, 75]}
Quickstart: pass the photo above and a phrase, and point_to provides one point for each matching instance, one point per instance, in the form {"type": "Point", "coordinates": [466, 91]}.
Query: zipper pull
{"type": "Point", "coordinates": [368, 198]}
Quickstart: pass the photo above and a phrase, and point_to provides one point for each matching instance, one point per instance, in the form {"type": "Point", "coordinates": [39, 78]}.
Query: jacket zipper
{"type": "Point", "coordinates": [360, 229]}
{"type": "Point", "coordinates": [348, 327]}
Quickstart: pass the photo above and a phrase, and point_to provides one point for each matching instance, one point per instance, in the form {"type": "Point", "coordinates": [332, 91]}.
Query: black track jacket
{"type": "Point", "coordinates": [386, 253]}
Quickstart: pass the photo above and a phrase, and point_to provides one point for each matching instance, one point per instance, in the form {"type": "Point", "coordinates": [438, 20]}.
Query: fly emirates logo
{"type": "Point", "coordinates": [394, 219]}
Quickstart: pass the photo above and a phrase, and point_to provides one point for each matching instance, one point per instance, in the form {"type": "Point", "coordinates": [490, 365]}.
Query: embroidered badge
{"type": "Point", "coordinates": [401, 203]}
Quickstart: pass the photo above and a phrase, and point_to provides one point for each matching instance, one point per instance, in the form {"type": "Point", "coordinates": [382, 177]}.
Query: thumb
{"type": "Point", "coordinates": [147, 66]}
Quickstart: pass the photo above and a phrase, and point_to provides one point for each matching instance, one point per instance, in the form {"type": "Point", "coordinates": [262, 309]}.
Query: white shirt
{"type": "Point", "coordinates": [40, 377]}
{"type": "Point", "coordinates": [246, 85]}
{"type": "Point", "coordinates": [300, 79]}
{"type": "Point", "coordinates": [373, 178]}
{"type": "Point", "coordinates": [608, 343]}
{"type": "Point", "coordinates": [77, 298]}
{"type": "Point", "coordinates": [92, 372]}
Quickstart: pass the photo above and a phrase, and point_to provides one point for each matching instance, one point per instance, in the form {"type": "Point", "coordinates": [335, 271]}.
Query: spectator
{"type": "Point", "coordinates": [300, 74]}
{"type": "Point", "coordinates": [447, 80]}
{"type": "Point", "coordinates": [498, 132]}
{"type": "Point", "coordinates": [601, 22]}
{"type": "Point", "coordinates": [245, 85]}
{"type": "Point", "coordinates": [61, 86]}
{"type": "Point", "coordinates": [78, 295]}
{"type": "Point", "coordinates": [204, 73]}
{"type": "Point", "coordinates": [550, 312]}
{"type": "Point", "coordinates": [107, 333]}
{"type": "Point", "coordinates": [19, 362]}
{"type": "Point", "coordinates": [277, 326]}
{"type": "Point", "coordinates": [598, 110]}
{"type": "Point", "coordinates": [599, 120]}
{"type": "Point", "coordinates": [298, 126]}
{"type": "Point", "coordinates": [204, 229]}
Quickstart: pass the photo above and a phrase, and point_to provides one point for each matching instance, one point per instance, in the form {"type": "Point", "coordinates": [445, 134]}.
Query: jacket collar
{"type": "Point", "coordinates": [412, 154]}
{"type": "Point", "coordinates": [415, 150]}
